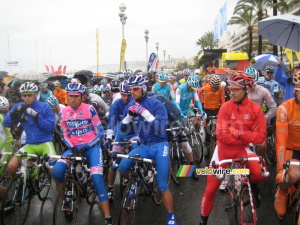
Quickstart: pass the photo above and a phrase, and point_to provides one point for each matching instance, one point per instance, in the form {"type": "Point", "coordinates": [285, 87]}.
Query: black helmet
{"type": "Point", "coordinates": [115, 85]}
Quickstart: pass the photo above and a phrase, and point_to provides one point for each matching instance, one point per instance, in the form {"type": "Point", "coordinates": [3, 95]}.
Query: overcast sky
{"type": "Point", "coordinates": [70, 28]}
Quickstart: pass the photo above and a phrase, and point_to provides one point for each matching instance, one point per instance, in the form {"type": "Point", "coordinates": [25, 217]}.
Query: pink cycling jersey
{"type": "Point", "coordinates": [79, 126]}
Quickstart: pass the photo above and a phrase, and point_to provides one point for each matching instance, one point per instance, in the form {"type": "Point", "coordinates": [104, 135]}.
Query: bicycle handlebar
{"type": "Point", "coordinates": [46, 158]}
{"type": "Point", "coordinates": [286, 167]}
{"type": "Point", "coordinates": [135, 158]}
{"type": "Point", "coordinates": [126, 142]}
{"type": "Point", "coordinates": [242, 160]}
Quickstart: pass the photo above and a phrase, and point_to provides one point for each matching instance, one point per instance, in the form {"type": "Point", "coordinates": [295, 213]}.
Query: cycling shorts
{"type": "Point", "coordinates": [5, 158]}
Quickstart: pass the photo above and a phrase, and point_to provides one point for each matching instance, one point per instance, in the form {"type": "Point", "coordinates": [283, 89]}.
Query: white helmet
{"type": "Point", "coordinates": [4, 104]}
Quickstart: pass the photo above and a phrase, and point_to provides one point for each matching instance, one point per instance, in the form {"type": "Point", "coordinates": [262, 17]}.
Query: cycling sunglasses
{"type": "Point", "coordinates": [231, 89]}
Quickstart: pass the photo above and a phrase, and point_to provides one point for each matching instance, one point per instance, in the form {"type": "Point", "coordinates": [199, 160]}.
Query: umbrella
{"type": "Point", "coordinates": [57, 77]}
{"type": "Point", "coordinates": [264, 60]}
{"type": "Point", "coordinates": [7, 79]}
{"type": "Point", "coordinates": [283, 30]}
{"type": "Point", "coordinates": [3, 74]}
{"type": "Point", "coordinates": [83, 72]}
{"type": "Point", "coordinates": [30, 76]}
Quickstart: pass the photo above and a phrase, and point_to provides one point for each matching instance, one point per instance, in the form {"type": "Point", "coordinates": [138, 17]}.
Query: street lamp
{"type": "Point", "coordinates": [164, 56]}
{"type": "Point", "coordinates": [157, 47]}
{"type": "Point", "coordinates": [146, 38]}
{"type": "Point", "coordinates": [123, 18]}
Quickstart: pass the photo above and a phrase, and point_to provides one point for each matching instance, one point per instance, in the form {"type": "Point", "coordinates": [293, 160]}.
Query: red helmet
{"type": "Point", "coordinates": [241, 78]}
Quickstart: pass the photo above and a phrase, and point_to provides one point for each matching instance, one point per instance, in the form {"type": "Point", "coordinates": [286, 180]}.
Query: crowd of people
{"type": "Point", "coordinates": [137, 106]}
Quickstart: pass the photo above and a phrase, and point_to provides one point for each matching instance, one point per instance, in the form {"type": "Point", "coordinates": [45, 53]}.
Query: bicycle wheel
{"type": "Point", "coordinates": [44, 183]}
{"type": "Point", "coordinates": [66, 207]}
{"type": "Point", "coordinates": [91, 194]}
{"type": "Point", "coordinates": [128, 210]}
{"type": "Point", "coordinates": [106, 164]}
{"type": "Point", "coordinates": [14, 210]}
{"type": "Point", "coordinates": [297, 213]}
{"type": "Point", "coordinates": [197, 147]}
{"type": "Point", "coordinates": [271, 150]}
{"type": "Point", "coordinates": [59, 145]}
{"type": "Point", "coordinates": [123, 185]}
{"type": "Point", "coordinates": [212, 144]}
{"type": "Point", "coordinates": [175, 163]}
{"type": "Point", "coordinates": [246, 213]}
{"type": "Point", "coordinates": [157, 196]}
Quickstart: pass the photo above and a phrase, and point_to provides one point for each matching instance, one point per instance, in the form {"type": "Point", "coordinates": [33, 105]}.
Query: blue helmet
{"type": "Point", "coordinates": [138, 80]}
{"type": "Point", "coordinates": [106, 90]}
{"type": "Point", "coordinates": [44, 85]}
{"type": "Point", "coordinates": [186, 72]}
{"type": "Point", "coordinates": [128, 73]}
{"type": "Point", "coordinates": [75, 88]}
{"type": "Point", "coordinates": [252, 72]}
{"type": "Point", "coordinates": [162, 77]}
{"type": "Point", "coordinates": [124, 88]}
{"type": "Point", "coordinates": [53, 102]}
{"type": "Point", "coordinates": [193, 81]}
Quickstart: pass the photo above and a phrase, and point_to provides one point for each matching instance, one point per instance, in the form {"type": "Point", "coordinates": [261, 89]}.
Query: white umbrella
{"type": "Point", "coordinates": [283, 30]}
{"type": "Point", "coordinates": [30, 75]}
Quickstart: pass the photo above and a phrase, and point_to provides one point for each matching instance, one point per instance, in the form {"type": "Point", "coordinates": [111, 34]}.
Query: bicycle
{"type": "Point", "coordinates": [177, 155]}
{"type": "Point", "coordinates": [23, 187]}
{"type": "Point", "coordinates": [58, 143]}
{"type": "Point", "coordinates": [211, 127]}
{"type": "Point", "coordinates": [127, 148]}
{"type": "Point", "coordinates": [5, 177]}
{"type": "Point", "coordinates": [142, 182]}
{"type": "Point", "coordinates": [270, 154]}
{"type": "Point", "coordinates": [78, 184]}
{"type": "Point", "coordinates": [194, 138]}
{"type": "Point", "coordinates": [239, 187]}
{"type": "Point", "coordinates": [106, 158]}
{"type": "Point", "coordinates": [293, 204]}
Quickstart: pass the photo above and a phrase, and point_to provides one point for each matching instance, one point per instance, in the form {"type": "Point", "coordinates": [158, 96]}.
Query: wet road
{"type": "Point", "coordinates": [187, 199]}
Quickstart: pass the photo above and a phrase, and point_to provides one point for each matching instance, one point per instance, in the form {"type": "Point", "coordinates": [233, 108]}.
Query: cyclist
{"type": "Point", "coordinates": [163, 87]}
{"type": "Point", "coordinates": [128, 73]}
{"type": "Point", "coordinates": [80, 118]}
{"type": "Point", "coordinates": [95, 100]}
{"type": "Point", "coordinates": [5, 139]}
{"type": "Point", "coordinates": [240, 122]}
{"type": "Point", "coordinates": [115, 116]}
{"type": "Point", "coordinates": [211, 96]}
{"type": "Point", "coordinates": [44, 93]}
{"type": "Point", "coordinates": [287, 146]}
{"type": "Point", "coordinates": [286, 81]}
{"type": "Point", "coordinates": [114, 85]}
{"type": "Point", "coordinates": [186, 72]}
{"type": "Point", "coordinates": [185, 93]}
{"type": "Point", "coordinates": [269, 83]}
{"type": "Point", "coordinates": [56, 108]}
{"type": "Point", "coordinates": [37, 120]}
{"type": "Point", "coordinates": [151, 79]}
{"type": "Point", "coordinates": [152, 123]}
{"type": "Point", "coordinates": [175, 120]}
{"type": "Point", "coordinates": [60, 93]}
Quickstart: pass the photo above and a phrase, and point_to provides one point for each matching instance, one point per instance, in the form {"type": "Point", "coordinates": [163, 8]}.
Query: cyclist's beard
{"type": "Point", "coordinates": [143, 96]}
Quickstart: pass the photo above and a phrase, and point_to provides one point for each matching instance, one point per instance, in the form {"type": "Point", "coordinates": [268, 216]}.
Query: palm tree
{"type": "Point", "coordinates": [245, 18]}
{"type": "Point", "coordinates": [260, 7]}
{"type": "Point", "coordinates": [201, 42]}
{"type": "Point", "coordinates": [209, 37]}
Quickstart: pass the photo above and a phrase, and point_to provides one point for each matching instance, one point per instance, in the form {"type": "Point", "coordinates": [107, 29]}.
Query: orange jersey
{"type": "Point", "coordinates": [211, 99]}
{"type": "Point", "coordinates": [61, 94]}
{"type": "Point", "coordinates": [287, 129]}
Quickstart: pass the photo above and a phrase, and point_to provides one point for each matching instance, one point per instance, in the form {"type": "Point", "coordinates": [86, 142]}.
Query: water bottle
{"type": "Point", "coordinates": [150, 176]}
{"type": "Point", "coordinates": [131, 194]}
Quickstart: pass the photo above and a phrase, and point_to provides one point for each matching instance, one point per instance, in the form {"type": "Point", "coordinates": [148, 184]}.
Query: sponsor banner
{"type": "Point", "coordinates": [151, 61]}
{"type": "Point", "coordinates": [123, 49]}
{"type": "Point", "coordinates": [290, 56]}
{"type": "Point", "coordinates": [12, 63]}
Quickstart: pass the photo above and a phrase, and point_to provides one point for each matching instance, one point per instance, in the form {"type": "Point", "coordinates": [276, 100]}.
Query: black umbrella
{"type": "Point", "coordinates": [83, 79]}
{"type": "Point", "coordinates": [83, 72]}
{"type": "Point", "coordinates": [3, 74]}
{"type": "Point", "coordinates": [57, 77]}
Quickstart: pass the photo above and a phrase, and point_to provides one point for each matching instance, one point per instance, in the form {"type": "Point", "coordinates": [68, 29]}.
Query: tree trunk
{"type": "Point", "coordinates": [260, 14]}
{"type": "Point", "coordinates": [275, 49]}
{"type": "Point", "coordinates": [250, 44]}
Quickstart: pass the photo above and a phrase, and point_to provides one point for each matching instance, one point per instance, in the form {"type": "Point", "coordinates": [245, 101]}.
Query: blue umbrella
{"type": "Point", "coordinates": [265, 60]}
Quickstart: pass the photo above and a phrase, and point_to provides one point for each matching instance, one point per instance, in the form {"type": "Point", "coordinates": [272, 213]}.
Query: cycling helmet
{"type": "Point", "coordinates": [162, 77]}
{"type": "Point", "coordinates": [138, 81]}
{"type": "Point", "coordinates": [186, 72]}
{"type": "Point", "coordinates": [128, 73]}
{"type": "Point", "coordinates": [120, 75]}
{"type": "Point", "coordinates": [4, 104]}
{"type": "Point", "coordinates": [102, 81]}
{"type": "Point", "coordinates": [75, 89]}
{"type": "Point", "coordinates": [97, 90]}
{"type": "Point", "coordinates": [114, 85]}
{"type": "Point", "coordinates": [252, 72]}
{"type": "Point", "coordinates": [296, 80]}
{"type": "Point", "coordinates": [215, 80]}
{"type": "Point", "coordinates": [124, 88]}
{"type": "Point", "coordinates": [151, 73]}
{"type": "Point", "coordinates": [53, 102]}
{"type": "Point", "coordinates": [223, 85]}
{"type": "Point", "coordinates": [270, 69]}
{"type": "Point", "coordinates": [74, 80]}
{"type": "Point", "coordinates": [106, 90]}
{"type": "Point", "coordinates": [241, 78]}
{"type": "Point", "coordinates": [193, 82]}
{"type": "Point", "coordinates": [29, 87]}
{"type": "Point", "coordinates": [86, 90]}
{"type": "Point", "coordinates": [56, 83]}
{"type": "Point", "coordinates": [44, 85]}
